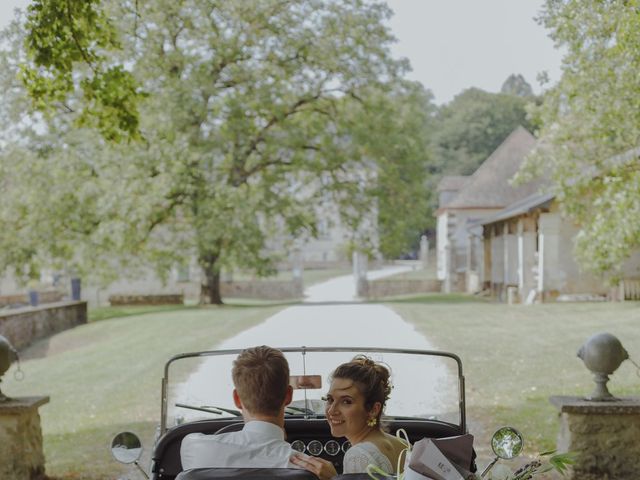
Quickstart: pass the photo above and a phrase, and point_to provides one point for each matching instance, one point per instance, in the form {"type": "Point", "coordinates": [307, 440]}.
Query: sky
{"type": "Point", "coordinates": [457, 44]}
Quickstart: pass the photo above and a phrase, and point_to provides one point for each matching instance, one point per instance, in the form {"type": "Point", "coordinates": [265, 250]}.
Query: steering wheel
{"type": "Point", "coordinates": [232, 427]}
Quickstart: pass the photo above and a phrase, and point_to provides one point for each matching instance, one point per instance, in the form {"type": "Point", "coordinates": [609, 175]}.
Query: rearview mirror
{"type": "Point", "coordinates": [305, 382]}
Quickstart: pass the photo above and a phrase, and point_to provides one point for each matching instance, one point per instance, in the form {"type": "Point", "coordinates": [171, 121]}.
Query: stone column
{"type": "Point", "coordinates": [551, 276]}
{"type": "Point", "coordinates": [510, 256]}
{"type": "Point", "coordinates": [21, 454]}
{"type": "Point", "coordinates": [526, 257]}
{"type": "Point", "coordinates": [605, 435]}
{"type": "Point", "coordinates": [446, 284]}
{"type": "Point", "coordinates": [424, 251]}
{"type": "Point", "coordinates": [360, 261]}
{"type": "Point", "coordinates": [297, 267]}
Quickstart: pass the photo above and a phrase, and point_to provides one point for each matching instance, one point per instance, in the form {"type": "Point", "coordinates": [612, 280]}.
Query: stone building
{"type": "Point", "coordinates": [527, 255]}
{"type": "Point", "coordinates": [465, 200]}
{"type": "Point", "coordinates": [524, 253]}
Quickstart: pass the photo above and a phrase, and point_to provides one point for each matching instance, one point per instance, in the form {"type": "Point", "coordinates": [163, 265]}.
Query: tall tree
{"type": "Point", "coordinates": [393, 128]}
{"type": "Point", "coordinates": [470, 127]}
{"type": "Point", "coordinates": [590, 120]}
{"type": "Point", "coordinates": [516, 85]}
{"type": "Point", "coordinates": [240, 125]}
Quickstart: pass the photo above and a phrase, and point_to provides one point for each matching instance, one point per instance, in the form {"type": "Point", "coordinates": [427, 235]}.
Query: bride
{"type": "Point", "coordinates": [354, 405]}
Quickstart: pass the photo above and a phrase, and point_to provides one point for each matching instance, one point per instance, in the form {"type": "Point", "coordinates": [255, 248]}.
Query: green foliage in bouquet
{"type": "Point", "coordinates": [546, 462]}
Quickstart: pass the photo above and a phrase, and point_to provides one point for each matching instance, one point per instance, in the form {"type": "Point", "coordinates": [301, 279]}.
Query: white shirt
{"type": "Point", "coordinates": [259, 444]}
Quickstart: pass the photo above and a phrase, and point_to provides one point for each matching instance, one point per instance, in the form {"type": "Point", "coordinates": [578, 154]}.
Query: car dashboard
{"type": "Point", "coordinates": [310, 435]}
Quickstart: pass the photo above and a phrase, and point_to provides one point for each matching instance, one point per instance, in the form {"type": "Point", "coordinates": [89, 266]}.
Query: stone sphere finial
{"type": "Point", "coordinates": [602, 354]}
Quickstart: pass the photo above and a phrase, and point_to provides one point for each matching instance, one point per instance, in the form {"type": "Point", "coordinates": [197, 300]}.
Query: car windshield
{"type": "Point", "coordinates": [425, 386]}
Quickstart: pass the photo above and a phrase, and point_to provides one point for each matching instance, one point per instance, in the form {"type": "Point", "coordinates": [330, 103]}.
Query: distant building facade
{"type": "Point", "coordinates": [465, 200]}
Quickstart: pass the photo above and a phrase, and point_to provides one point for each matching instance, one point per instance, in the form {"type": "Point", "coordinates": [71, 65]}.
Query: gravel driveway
{"type": "Point", "coordinates": [320, 323]}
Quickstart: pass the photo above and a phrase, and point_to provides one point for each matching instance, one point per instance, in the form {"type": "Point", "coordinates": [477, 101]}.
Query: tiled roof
{"type": "Point", "coordinates": [537, 200]}
{"type": "Point", "coordinates": [453, 182]}
{"type": "Point", "coordinates": [489, 185]}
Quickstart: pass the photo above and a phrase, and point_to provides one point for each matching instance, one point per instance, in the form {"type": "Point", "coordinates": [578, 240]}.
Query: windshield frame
{"type": "Point", "coordinates": [303, 350]}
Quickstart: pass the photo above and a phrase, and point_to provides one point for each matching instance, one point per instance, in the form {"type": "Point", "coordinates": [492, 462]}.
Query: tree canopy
{"type": "Point", "coordinates": [63, 34]}
{"type": "Point", "coordinates": [516, 85]}
{"type": "Point", "coordinates": [393, 130]}
{"type": "Point", "coordinates": [470, 127]}
{"type": "Point", "coordinates": [199, 127]}
{"type": "Point", "coordinates": [590, 122]}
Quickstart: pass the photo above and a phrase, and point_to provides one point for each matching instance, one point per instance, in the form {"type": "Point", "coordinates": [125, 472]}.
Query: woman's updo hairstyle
{"type": "Point", "coordinates": [370, 378]}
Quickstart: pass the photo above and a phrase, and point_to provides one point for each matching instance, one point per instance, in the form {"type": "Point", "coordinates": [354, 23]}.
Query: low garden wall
{"type": "Point", "coordinates": [44, 296]}
{"type": "Point", "coordinates": [23, 326]}
{"type": "Point", "coordinates": [263, 290]}
{"type": "Point", "coordinates": [161, 299]}
{"type": "Point", "coordinates": [391, 288]}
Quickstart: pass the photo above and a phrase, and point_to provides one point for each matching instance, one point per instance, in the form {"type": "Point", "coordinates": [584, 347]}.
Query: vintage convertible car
{"type": "Point", "coordinates": [427, 400]}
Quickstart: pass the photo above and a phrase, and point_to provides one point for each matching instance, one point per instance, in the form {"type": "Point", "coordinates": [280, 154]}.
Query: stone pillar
{"type": "Point", "coordinates": [604, 435]}
{"type": "Point", "coordinates": [551, 276]}
{"type": "Point", "coordinates": [448, 260]}
{"type": "Point", "coordinates": [21, 454]}
{"type": "Point", "coordinates": [360, 274]}
{"type": "Point", "coordinates": [424, 251]}
{"type": "Point", "coordinates": [510, 256]}
{"type": "Point", "coordinates": [297, 267]}
{"type": "Point", "coordinates": [526, 257]}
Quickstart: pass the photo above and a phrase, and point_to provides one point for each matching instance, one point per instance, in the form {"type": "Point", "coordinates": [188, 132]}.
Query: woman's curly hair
{"type": "Point", "coordinates": [371, 378]}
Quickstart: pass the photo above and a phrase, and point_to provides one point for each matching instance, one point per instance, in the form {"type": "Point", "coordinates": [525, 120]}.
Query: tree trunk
{"type": "Point", "coordinates": [210, 286]}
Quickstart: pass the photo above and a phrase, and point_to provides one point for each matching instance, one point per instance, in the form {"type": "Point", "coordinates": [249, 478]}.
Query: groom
{"type": "Point", "coordinates": [262, 390]}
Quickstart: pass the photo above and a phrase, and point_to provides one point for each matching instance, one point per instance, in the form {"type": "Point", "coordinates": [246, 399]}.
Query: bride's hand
{"type": "Point", "coordinates": [323, 469]}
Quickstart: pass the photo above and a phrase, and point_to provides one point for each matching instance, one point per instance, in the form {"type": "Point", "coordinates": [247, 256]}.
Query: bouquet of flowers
{"type": "Point", "coordinates": [546, 462]}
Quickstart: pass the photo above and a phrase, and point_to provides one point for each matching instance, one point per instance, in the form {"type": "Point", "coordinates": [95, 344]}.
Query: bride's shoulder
{"type": "Point", "coordinates": [393, 440]}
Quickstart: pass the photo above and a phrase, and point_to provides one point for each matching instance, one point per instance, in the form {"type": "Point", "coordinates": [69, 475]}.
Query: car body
{"type": "Point", "coordinates": [428, 400]}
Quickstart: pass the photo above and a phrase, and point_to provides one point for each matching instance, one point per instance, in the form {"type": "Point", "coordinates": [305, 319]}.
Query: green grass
{"type": "Point", "coordinates": [416, 274]}
{"type": "Point", "coordinates": [309, 276]}
{"type": "Point", "coordinates": [104, 313]}
{"type": "Point", "coordinates": [437, 298]}
{"type": "Point", "coordinates": [516, 357]}
{"type": "Point", "coordinates": [105, 376]}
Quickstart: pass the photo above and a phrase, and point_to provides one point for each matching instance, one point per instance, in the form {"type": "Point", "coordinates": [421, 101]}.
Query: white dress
{"type": "Point", "coordinates": [359, 456]}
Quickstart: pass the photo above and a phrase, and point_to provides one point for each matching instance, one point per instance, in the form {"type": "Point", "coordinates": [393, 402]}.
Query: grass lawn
{"type": "Point", "coordinates": [516, 357]}
{"type": "Point", "coordinates": [105, 313]}
{"type": "Point", "coordinates": [309, 276]}
{"type": "Point", "coordinates": [104, 377]}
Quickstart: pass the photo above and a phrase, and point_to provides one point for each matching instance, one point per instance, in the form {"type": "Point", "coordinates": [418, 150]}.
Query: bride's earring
{"type": "Point", "coordinates": [372, 422]}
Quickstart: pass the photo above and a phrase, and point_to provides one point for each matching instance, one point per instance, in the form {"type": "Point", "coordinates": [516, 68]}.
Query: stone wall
{"type": "Point", "coordinates": [263, 290]}
{"type": "Point", "coordinates": [390, 288]}
{"type": "Point", "coordinates": [23, 326]}
{"type": "Point", "coordinates": [162, 299]}
{"type": "Point", "coordinates": [44, 296]}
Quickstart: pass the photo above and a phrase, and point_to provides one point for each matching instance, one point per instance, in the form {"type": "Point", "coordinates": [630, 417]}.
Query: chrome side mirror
{"type": "Point", "coordinates": [127, 448]}
{"type": "Point", "coordinates": [506, 443]}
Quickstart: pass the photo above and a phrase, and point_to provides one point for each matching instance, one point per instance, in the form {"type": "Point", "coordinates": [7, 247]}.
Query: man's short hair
{"type": "Point", "coordinates": [261, 377]}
